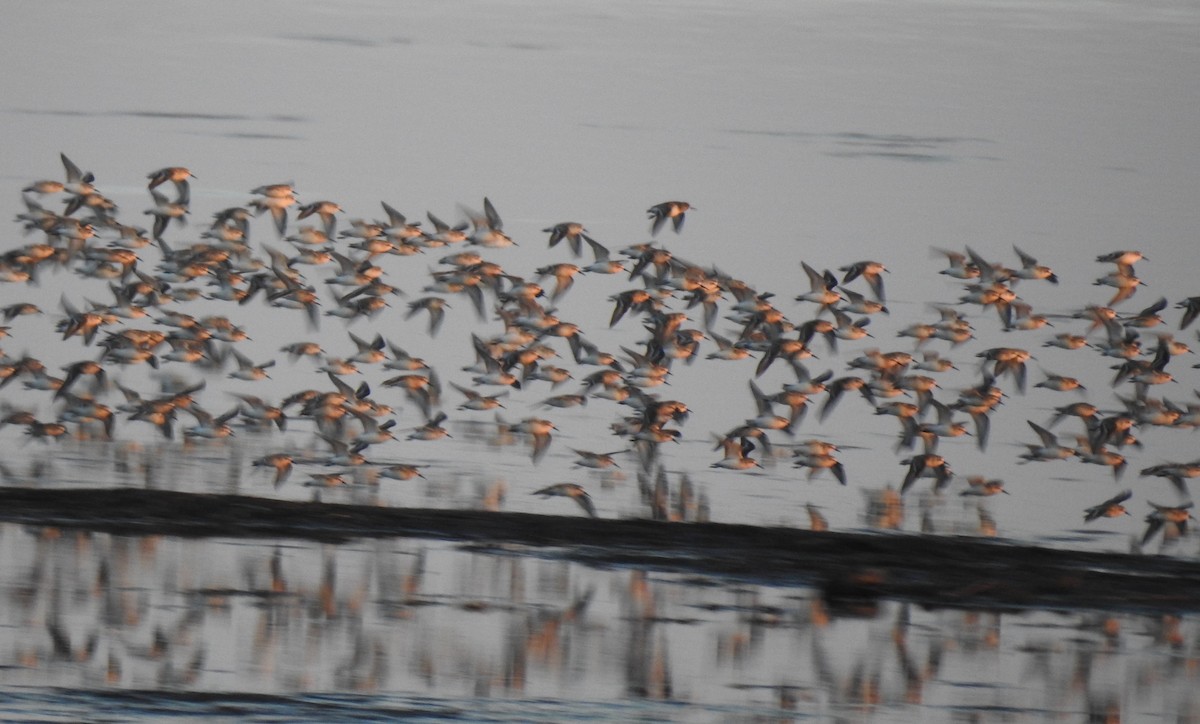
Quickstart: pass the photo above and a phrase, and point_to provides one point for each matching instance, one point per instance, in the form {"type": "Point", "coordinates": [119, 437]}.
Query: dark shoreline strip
{"type": "Point", "coordinates": [852, 569]}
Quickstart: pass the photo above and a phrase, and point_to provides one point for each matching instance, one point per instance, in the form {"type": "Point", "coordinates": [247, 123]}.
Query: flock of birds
{"type": "Point", "coordinates": [684, 313]}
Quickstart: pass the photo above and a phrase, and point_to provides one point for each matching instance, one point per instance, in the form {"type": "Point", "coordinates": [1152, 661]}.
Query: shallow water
{"type": "Point", "coordinates": [828, 132]}
{"type": "Point", "coordinates": [160, 626]}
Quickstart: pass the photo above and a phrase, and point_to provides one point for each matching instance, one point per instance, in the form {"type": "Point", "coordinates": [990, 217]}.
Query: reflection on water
{"type": "Point", "coordinates": [378, 628]}
{"type": "Point", "coordinates": [403, 619]}
{"type": "Point", "coordinates": [501, 480]}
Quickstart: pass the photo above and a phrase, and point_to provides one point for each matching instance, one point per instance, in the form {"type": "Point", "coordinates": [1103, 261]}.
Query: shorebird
{"type": "Point", "coordinates": [1124, 257]}
{"type": "Point", "coordinates": [737, 454]}
{"type": "Point", "coordinates": [1109, 430]}
{"type": "Point", "coordinates": [1030, 269]}
{"type": "Point", "coordinates": [45, 186]}
{"type": "Point", "coordinates": [281, 463]}
{"type": "Point", "coordinates": [1177, 516]}
{"type": "Point", "coordinates": [1102, 456]}
{"type": "Point", "coordinates": [84, 324]}
{"type": "Point", "coordinates": [574, 491]}
{"type": "Point", "coordinates": [247, 370]}
{"type": "Point", "coordinates": [637, 300]}
{"type": "Point", "coordinates": [45, 430]}
{"type": "Point", "coordinates": [260, 413]}
{"type": "Point", "coordinates": [209, 427]}
{"type": "Point", "coordinates": [564, 277]}
{"type": "Point", "coordinates": [598, 461]}
{"type": "Point", "coordinates": [373, 431]}
{"type": "Point", "coordinates": [871, 271]}
{"type": "Point", "coordinates": [1176, 473]}
{"type": "Point", "coordinates": [338, 366]}
{"type": "Point", "coordinates": [165, 210]}
{"type": "Point", "coordinates": [1048, 449]}
{"type": "Point", "coordinates": [1121, 343]}
{"type": "Point", "coordinates": [1007, 360]}
{"type": "Point", "coordinates": [1060, 383]}
{"type": "Point", "coordinates": [927, 465]}
{"type": "Point", "coordinates": [766, 419]}
{"type": "Point", "coordinates": [1146, 318]}
{"type": "Point", "coordinates": [478, 401]}
{"type": "Point", "coordinates": [177, 175]}
{"type": "Point", "coordinates": [431, 430]}
{"type": "Point", "coordinates": [494, 371]}
{"type": "Point", "coordinates": [549, 373]}
{"type": "Point", "coordinates": [822, 286]}
{"type": "Point", "coordinates": [75, 370]}
{"type": "Point", "coordinates": [603, 263]}
{"type": "Point", "coordinates": [435, 306]}
{"type": "Point", "coordinates": [1066, 340]}
{"type": "Point", "coordinates": [728, 349]}
{"type": "Point", "coordinates": [328, 480]}
{"type": "Point", "coordinates": [78, 183]}
{"type": "Point", "coordinates": [1123, 280]}
{"type": "Point", "coordinates": [324, 210]}
{"type": "Point", "coordinates": [488, 228]}
{"type": "Point", "coordinates": [673, 210]}
{"type": "Point", "coordinates": [538, 430]}
{"type": "Point", "coordinates": [981, 486]}
{"type": "Point", "coordinates": [1191, 309]}
{"type": "Point", "coordinates": [933, 362]}
{"type": "Point", "coordinates": [296, 350]}
{"type": "Point", "coordinates": [368, 352]}
{"type": "Point", "coordinates": [399, 229]}
{"type": "Point", "coordinates": [423, 388]}
{"type": "Point", "coordinates": [564, 401]}
{"type": "Point", "coordinates": [1085, 411]}
{"type": "Point", "coordinates": [859, 304]}
{"type": "Point", "coordinates": [572, 231]}
{"type": "Point", "coordinates": [838, 387]}
{"type": "Point", "coordinates": [275, 199]}
{"type": "Point", "coordinates": [818, 462]}
{"type": "Point", "coordinates": [353, 272]}
{"type": "Point", "coordinates": [401, 471]}
{"type": "Point", "coordinates": [1110, 508]}
{"type": "Point", "coordinates": [444, 233]}
{"type": "Point", "coordinates": [931, 432]}
{"type": "Point", "coordinates": [958, 267]}
{"type": "Point", "coordinates": [342, 454]}
{"type": "Point", "coordinates": [1023, 319]}
{"type": "Point", "coordinates": [86, 411]}
{"type": "Point", "coordinates": [403, 361]}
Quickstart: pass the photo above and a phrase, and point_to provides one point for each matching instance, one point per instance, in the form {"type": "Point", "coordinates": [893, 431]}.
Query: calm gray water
{"type": "Point", "coordinates": [824, 132]}
{"type": "Point", "coordinates": [146, 628]}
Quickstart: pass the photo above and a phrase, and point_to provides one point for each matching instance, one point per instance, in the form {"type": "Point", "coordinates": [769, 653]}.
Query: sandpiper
{"type": "Point", "coordinates": [1162, 515]}
{"type": "Point", "coordinates": [1110, 508]}
{"type": "Point", "coordinates": [574, 491]}
{"type": "Point", "coordinates": [572, 231]}
{"type": "Point", "coordinates": [673, 210]}
{"type": "Point", "coordinates": [871, 271]}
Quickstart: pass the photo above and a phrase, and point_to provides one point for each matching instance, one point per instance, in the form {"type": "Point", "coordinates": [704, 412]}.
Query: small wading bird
{"type": "Point", "coordinates": [1172, 520]}
{"type": "Point", "coordinates": [1110, 508]}
{"type": "Point", "coordinates": [660, 213]}
{"type": "Point", "coordinates": [573, 491]}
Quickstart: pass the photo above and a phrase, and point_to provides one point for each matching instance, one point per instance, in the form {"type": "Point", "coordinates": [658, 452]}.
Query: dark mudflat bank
{"type": "Point", "coordinates": [852, 569]}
